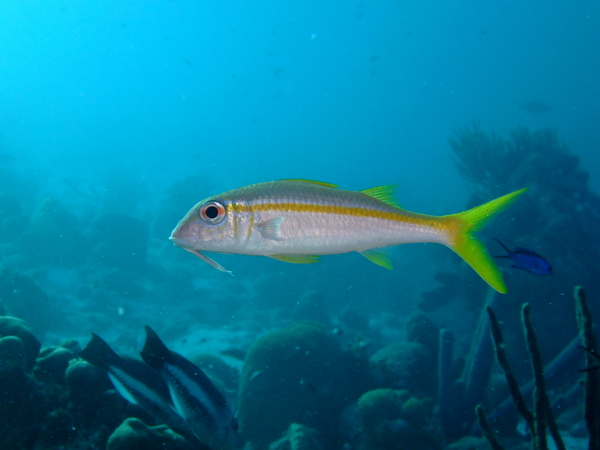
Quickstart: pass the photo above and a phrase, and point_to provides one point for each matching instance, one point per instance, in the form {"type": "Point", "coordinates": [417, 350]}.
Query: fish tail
{"type": "Point", "coordinates": [463, 241]}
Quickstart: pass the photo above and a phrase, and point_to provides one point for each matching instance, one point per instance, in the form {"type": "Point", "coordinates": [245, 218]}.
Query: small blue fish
{"type": "Point", "coordinates": [526, 260]}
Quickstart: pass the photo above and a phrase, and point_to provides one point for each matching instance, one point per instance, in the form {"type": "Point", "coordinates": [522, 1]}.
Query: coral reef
{"type": "Point", "coordinates": [293, 375]}
{"type": "Point", "coordinates": [406, 365]}
{"type": "Point", "coordinates": [12, 326]}
{"type": "Point", "coordinates": [394, 419]}
{"type": "Point", "coordinates": [21, 399]}
{"type": "Point", "coordinates": [52, 363]}
{"type": "Point", "coordinates": [133, 434]}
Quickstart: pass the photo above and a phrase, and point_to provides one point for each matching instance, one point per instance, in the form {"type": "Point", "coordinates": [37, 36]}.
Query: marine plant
{"type": "Point", "coordinates": [541, 419]}
{"type": "Point", "coordinates": [556, 218]}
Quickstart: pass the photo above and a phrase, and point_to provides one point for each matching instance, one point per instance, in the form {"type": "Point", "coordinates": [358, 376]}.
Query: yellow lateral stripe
{"type": "Point", "coordinates": [341, 210]}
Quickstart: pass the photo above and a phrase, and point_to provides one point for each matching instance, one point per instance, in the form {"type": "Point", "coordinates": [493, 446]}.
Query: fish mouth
{"type": "Point", "coordinates": [179, 242]}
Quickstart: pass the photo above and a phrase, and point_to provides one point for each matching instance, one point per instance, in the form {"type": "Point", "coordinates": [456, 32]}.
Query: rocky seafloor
{"type": "Point", "coordinates": [299, 387]}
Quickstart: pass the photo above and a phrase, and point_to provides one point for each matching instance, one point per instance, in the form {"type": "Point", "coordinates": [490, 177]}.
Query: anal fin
{"type": "Point", "coordinates": [380, 256]}
{"type": "Point", "coordinates": [296, 259]}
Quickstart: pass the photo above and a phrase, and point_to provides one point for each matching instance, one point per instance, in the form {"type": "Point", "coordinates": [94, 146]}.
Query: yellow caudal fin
{"type": "Point", "coordinates": [471, 249]}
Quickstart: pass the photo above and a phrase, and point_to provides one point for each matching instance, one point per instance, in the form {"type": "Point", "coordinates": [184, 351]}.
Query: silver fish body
{"type": "Point", "coordinates": [298, 220]}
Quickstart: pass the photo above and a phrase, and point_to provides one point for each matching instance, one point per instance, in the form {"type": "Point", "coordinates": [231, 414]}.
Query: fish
{"type": "Point", "coordinates": [136, 382]}
{"type": "Point", "coordinates": [297, 221]}
{"type": "Point", "coordinates": [526, 260]}
{"type": "Point", "coordinates": [196, 398]}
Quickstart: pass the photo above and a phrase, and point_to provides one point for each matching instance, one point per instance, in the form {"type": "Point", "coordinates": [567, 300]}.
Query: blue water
{"type": "Point", "coordinates": [358, 94]}
{"type": "Point", "coordinates": [106, 105]}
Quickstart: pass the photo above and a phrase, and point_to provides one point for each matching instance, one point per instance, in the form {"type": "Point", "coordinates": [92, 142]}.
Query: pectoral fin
{"type": "Point", "coordinates": [380, 256]}
{"type": "Point", "coordinates": [269, 229]}
{"type": "Point", "coordinates": [296, 259]}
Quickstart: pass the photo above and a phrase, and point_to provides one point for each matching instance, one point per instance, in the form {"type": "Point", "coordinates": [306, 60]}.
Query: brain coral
{"type": "Point", "coordinates": [292, 375]}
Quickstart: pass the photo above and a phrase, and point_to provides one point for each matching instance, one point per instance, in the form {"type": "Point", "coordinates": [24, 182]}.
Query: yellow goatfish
{"type": "Point", "coordinates": [298, 220]}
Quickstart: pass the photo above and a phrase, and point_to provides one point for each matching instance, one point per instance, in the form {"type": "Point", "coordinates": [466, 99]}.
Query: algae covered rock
{"type": "Point", "coordinates": [52, 363]}
{"type": "Point", "coordinates": [393, 419]}
{"type": "Point", "coordinates": [11, 326]}
{"type": "Point", "coordinates": [292, 375]}
{"type": "Point", "coordinates": [133, 434]}
{"type": "Point", "coordinates": [406, 365]}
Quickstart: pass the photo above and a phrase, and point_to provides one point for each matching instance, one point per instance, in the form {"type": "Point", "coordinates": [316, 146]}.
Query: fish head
{"type": "Point", "coordinates": [209, 226]}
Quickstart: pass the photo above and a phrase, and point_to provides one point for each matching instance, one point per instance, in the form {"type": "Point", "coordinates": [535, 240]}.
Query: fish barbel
{"type": "Point", "coordinates": [298, 220]}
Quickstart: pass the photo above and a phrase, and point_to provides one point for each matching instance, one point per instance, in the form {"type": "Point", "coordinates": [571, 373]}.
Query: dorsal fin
{"type": "Point", "coordinates": [386, 194]}
{"type": "Point", "coordinates": [319, 183]}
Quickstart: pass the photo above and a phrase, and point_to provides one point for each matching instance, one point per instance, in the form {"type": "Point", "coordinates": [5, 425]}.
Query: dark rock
{"type": "Point", "coordinates": [21, 401]}
{"type": "Point", "coordinates": [57, 428]}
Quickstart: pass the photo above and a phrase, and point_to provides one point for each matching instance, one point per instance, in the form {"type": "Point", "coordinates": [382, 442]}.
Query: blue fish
{"type": "Point", "coordinates": [196, 398]}
{"type": "Point", "coordinates": [526, 260]}
{"type": "Point", "coordinates": [136, 382]}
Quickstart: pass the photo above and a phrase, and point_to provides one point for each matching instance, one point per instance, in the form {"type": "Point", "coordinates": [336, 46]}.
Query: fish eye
{"type": "Point", "coordinates": [212, 212]}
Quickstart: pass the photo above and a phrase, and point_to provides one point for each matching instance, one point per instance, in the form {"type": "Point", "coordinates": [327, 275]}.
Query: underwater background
{"type": "Point", "coordinates": [117, 117]}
